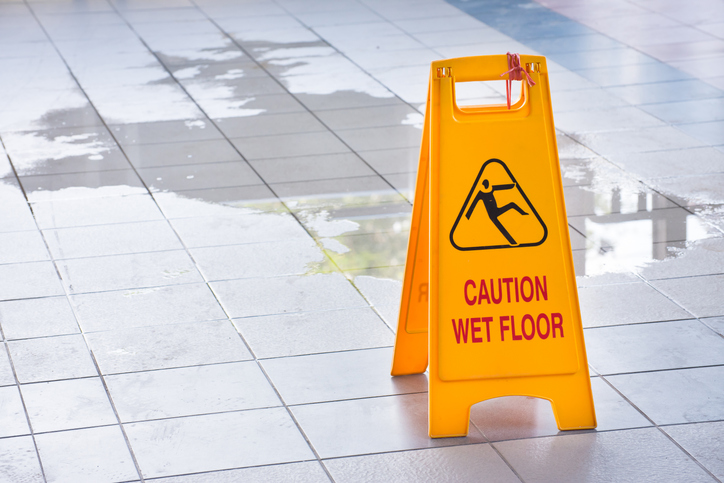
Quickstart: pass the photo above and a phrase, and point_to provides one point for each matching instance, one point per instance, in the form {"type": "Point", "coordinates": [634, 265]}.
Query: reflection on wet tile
{"type": "Point", "coordinates": [181, 153]}
{"type": "Point", "coordinates": [634, 303]}
{"type": "Point", "coordinates": [188, 391]}
{"type": "Point", "coordinates": [19, 460]}
{"type": "Point", "coordinates": [267, 296]}
{"type": "Point", "coordinates": [339, 375]}
{"type": "Point", "coordinates": [373, 425]}
{"type": "Point", "coordinates": [51, 358]}
{"type": "Point", "coordinates": [307, 472]}
{"type": "Point", "coordinates": [698, 295]}
{"type": "Point", "coordinates": [306, 168]}
{"type": "Point", "coordinates": [457, 463]}
{"type": "Point", "coordinates": [672, 397]}
{"type": "Point", "coordinates": [651, 347]}
{"type": "Point", "coordinates": [369, 250]}
{"type": "Point", "coordinates": [216, 442]}
{"type": "Point", "coordinates": [692, 190]}
{"type": "Point", "coordinates": [291, 257]}
{"type": "Point", "coordinates": [12, 413]}
{"type": "Point", "coordinates": [138, 270]}
{"type": "Point", "coordinates": [97, 454]}
{"type": "Point", "coordinates": [701, 441]}
{"type": "Point", "coordinates": [37, 317]}
{"type": "Point", "coordinates": [167, 346]}
{"type": "Point", "coordinates": [314, 332]}
{"type": "Point", "coordinates": [73, 404]}
{"type": "Point", "coordinates": [517, 417]}
{"type": "Point", "coordinates": [625, 456]}
{"type": "Point", "coordinates": [27, 280]}
{"type": "Point", "coordinates": [146, 307]}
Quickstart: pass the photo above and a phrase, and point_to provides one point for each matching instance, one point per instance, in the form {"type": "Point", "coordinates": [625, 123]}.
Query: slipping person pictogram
{"type": "Point", "coordinates": [487, 196]}
{"type": "Point", "coordinates": [505, 222]}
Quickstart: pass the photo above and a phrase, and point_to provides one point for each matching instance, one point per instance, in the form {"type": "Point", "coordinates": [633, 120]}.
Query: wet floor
{"type": "Point", "coordinates": [204, 216]}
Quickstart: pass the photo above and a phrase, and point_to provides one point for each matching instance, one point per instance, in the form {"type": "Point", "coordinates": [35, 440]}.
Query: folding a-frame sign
{"type": "Point", "coordinates": [490, 291]}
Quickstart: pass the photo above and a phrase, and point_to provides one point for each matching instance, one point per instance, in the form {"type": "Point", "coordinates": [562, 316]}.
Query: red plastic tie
{"type": "Point", "coordinates": [515, 73]}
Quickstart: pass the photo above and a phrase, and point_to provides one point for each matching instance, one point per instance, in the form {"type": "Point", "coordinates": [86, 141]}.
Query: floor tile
{"type": "Point", "coordinates": [215, 442]}
{"type": "Point", "coordinates": [673, 397]}
{"type": "Point", "coordinates": [270, 259]}
{"type": "Point", "coordinates": [189, 391]}
{"type": "Point", "coordinates": [370, 250]}
{"type": "Point", "coordinates": [146, 307]}
{"type": "Point", "coordinates": [12, 413]}
{"type": "Point", "coordinates": [139, 270]}
{"type": "Point", "coordinates": [28, 280]}
{"type": "Point", "coordinates": [307, 472]}
{"type": "Point", "coordinates": [625, 456]}
{"type": "Point", "coordinates": [38, 317]}
{"type": "Point", "coordinates": [615, 119]}
{"type": "Point", "coordinates": [651, 347]}
{"type": "Point", "coordinates": [701, 258]}
{"type": "Point", "coordinates": [314, 332]}
{"type": "Point", "coordinates": [16, 216]}
{"type": "Point", "coordinates": [457, 463]}
{"type": "Point", "coordinates": [199, 176]}
{"type": "Point", "coordinates": [51, 358]}
{"type": "Point", "coordinates": [635, 303]}
{"type": "Point", "coordinates": [382, 137]}
{"type": "Point", "coordinates": [666, 91]}
{"type": "Point", "coordinates": [237, 229]}
{"type": "Point", "coordinates": [384, 161]}
{"type": "Point", "coordinates": [72, 404]}
{"type": "Point", "coordinates": [19, 460]}
{"type": "Point", "coordinates": [701, 110]}
{"type": "Point", "coordinates": [698, 295]}
{"type": "Point", "coordinates": [716, 323]}
{"type": "Point", "coordinates": [261, 296]}
{"type": "Point", "coordinates": [374, 425]}
{"type": "Point", "coordinates": [288, 145]}
{"type": "Point", "coordinates": [668, 163]}
{"type": "Point", "coordinates": [82, 185]}
{"type": "Point", "coordinates": [328, 166]}
{"type": "Point", "coordinates": [368, 117]}
{"type": "Point", "coordinates": [218, 201]}
{"type": "Point", "coordinates": [22, 246]}
{"type": "Point", "coordinates": [266, 124]}
{"type": "Point", "coordinates": [168, 346]}
{"type": "Point", "coordinates": [99, 211]}
{"type": "Point", "coordinates": [708, 132]}
{"type": "Point", "coordinates": [518, 417]}
{"type": "Point", "coordinates": [7, 376]}
{"type": "Point", "coordinates": [637, 141]}
{"type": "Point", "coordinates": [97, 454]}
{"type": "Point", "coordinates": [116, 239]}
{"type": "Point", "coordinates": [701, 441]}
{"type": "Point", "coordinates": [181, 153]}
{"type": "Point", "coordinates": [351, 191]}
{"type": "Point", "coordinates": [339, 375]}
{"type": "Point", "coordinates": [164, 132]}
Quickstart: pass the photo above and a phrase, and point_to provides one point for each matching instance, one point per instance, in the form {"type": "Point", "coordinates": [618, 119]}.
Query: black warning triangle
{"type": "Point", "coordinates": [497, 213]}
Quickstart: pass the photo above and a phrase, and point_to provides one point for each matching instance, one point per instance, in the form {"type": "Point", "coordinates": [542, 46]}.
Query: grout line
{"type": "Point", "coordinates": [118, 417]}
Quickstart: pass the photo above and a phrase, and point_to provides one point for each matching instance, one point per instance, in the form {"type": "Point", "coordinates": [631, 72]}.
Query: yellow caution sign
{"type": "Point", "coordinates": [490, 291]}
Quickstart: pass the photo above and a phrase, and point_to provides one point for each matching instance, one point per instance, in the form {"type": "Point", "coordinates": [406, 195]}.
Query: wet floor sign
{"type": "Point", "coordinates": [490, 291]}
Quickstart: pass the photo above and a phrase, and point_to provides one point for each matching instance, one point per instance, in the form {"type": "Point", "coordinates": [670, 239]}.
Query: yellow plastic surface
{"type": "Point", "coordinates": [494, 283]}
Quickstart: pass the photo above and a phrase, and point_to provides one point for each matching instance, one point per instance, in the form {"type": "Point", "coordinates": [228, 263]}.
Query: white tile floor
{"type": "Point", "coordinates": [204, 211]}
